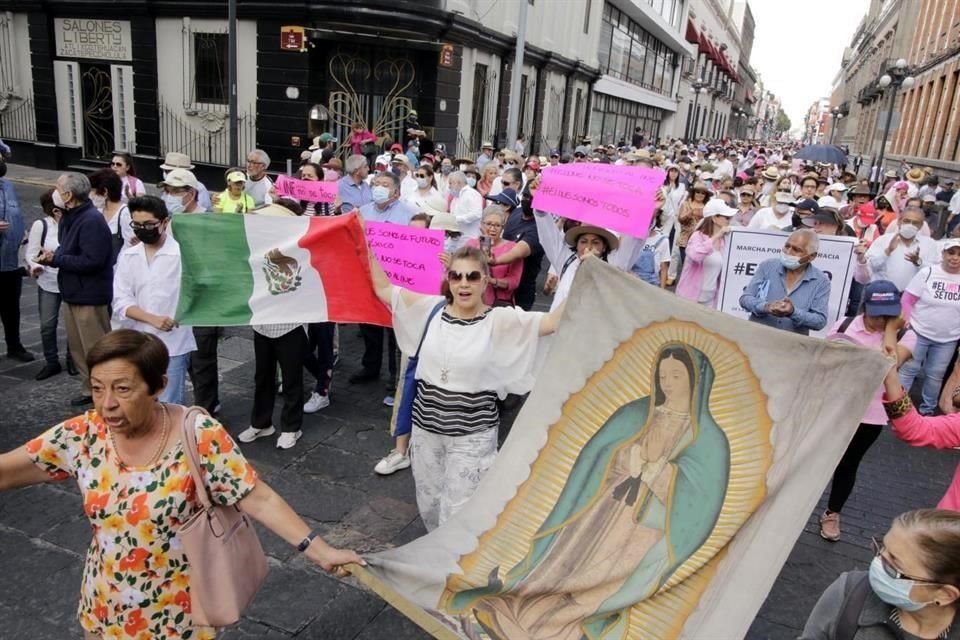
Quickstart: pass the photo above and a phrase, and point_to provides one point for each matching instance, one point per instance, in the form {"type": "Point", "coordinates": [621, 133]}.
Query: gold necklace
{"type": "Point", "coordinates": [162, 445]}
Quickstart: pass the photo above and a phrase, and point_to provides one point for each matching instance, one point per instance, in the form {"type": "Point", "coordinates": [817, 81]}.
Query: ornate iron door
{"type": "Point", "coordinates": [97, 96]}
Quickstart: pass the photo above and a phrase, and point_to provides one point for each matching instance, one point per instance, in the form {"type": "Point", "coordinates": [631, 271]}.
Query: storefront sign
{"type": "Point", "coordinates": [93, 39]}
{"type": "Point", "coordinates": [446, 55]}
{"type": "Point", "coordinates": [747, 248]}
{"type": "Point", "coordinates": [292, 38]}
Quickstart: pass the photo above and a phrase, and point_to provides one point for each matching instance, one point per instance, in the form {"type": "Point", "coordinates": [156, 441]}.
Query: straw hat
{"type": "Point", "coordinates": [444, 222]}
{"type": "Point", "coordinates": [916, 175]}
{"type": "Point", "coordinates": [771, 173]}
{"type": "Point", "coordinates": [571, 237]}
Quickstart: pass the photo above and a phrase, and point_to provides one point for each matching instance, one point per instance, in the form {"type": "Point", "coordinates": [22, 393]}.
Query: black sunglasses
{"type": "Point", "coordinates": [456, 276]}
{"type": "Point", "coordinates": [421, 175]}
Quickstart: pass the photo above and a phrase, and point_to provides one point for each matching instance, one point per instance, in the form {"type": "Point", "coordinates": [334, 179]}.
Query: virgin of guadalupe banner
{"type": "Point", "coordinates": [652, 486]}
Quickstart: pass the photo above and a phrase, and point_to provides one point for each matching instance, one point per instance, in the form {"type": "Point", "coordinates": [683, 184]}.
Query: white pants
{"type": "Point", "coordinates": [447, 470]}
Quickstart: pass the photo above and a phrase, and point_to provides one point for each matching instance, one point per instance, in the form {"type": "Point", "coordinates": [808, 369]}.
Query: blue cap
{"type": "Point", "coordinates": [506, 197]}
{"type": "Point", "coordinates": [881, 298]}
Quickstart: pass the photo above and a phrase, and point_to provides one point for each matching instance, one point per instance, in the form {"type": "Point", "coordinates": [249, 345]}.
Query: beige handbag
{"type": "Point", "coordinates": [227, 564]}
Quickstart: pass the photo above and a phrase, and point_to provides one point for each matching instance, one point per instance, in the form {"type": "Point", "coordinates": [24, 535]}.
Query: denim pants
{"type": "Point", "coordinates": [175, 393]}
{"type": "Point", "coordinates": [48, 304]}
{"type": "Point", "coordinates": [930, 359]}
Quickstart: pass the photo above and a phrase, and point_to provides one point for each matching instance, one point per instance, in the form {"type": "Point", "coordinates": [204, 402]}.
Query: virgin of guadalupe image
{"type": "Point", "coordinates": [642, 497]}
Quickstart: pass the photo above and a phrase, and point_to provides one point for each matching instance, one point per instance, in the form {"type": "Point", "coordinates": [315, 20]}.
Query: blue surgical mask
{"type": "Point", "coordinates": [380, 194]}
{"type": "Point", "coordinates": [471, 181]}
{"type": "Point", "coordinates": [174, 203]}
{"type": "Point", "coordinates": [452, 244]}
{"type": "Point", "coordinates": [790, 263]}
{"type": "Point", "coordinates": [893, 591]}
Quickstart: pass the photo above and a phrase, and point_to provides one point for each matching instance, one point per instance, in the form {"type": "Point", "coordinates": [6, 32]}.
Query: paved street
{"type": "Point", "coordinates": [328, 479]}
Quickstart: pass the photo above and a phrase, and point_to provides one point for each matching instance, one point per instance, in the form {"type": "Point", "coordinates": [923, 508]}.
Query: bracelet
{"type": "Point", "coordinates": [898, 408]}
{"type": "Point", "coordinates": [306, 541]}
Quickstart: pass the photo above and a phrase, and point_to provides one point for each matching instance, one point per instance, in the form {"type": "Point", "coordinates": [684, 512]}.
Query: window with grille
{"type": "Point", "coordinates": [210, 68]}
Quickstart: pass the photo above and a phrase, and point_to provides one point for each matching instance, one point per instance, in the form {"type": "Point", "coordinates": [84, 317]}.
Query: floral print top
{"type": "Point", "coordinates": [136, 579]}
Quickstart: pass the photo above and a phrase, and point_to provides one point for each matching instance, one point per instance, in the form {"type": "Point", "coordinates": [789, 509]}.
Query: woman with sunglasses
{"type": "Point", "coordinates": [470, 356]}
{"type": "Point", "coordinates": [426, 187]}
{"type": "Point", "coordinates": [910, 591]}
{"type": "Point", "coordinates": [746, 208]}
{"type": "Point", "coordinates": [122, 165]}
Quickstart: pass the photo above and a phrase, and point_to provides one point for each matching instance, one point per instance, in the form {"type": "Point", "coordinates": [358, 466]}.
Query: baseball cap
{"type": "Point", "coordinates": [929, 198]}
{"type": "Point", "coordinates": [808, 204]}
{"type": "Point", "coordinates": [881, 298]}
{"type": "Point", "coordinates": [785, 198]}
{"type": "Point", "coordinates": [824, 216]}
{"type": "Point", "coordinates": [178, 178]}
{"type": "Point", "coordinates": [837, 186]}
{"type": "Point", "coordinates": [236, 176]}
{"type": "Point", "coordinates": [506, 197]}
{"type": "Point", "coordinates": [717, 207]}
{"type": "Point", "coordinates": [396, 147]}
{"type": "Point", "coordinates": [949, 243]}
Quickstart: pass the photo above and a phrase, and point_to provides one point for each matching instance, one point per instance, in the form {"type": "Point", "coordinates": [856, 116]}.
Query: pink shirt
{"type": "Point", "coordinates": [858, 334]}
{"type": "Point", "coordinates": [510, 272]}
{"type": "Point", "coordinates": [940, 432]}
{"type": "Point", "coordinates": [699, 246]}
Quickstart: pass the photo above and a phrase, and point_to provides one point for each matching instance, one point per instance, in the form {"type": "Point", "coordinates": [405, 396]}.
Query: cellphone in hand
{"type": "Point", "coordinates": [486, 244]}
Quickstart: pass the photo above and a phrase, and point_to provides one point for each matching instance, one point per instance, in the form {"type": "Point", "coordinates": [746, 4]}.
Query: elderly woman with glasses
{"type": "Point", "coordinates": [504, 276]}
{"type": "Point", "coordinates": [911, 589]}
{"type": "Point", "coordinates": [470, 356]}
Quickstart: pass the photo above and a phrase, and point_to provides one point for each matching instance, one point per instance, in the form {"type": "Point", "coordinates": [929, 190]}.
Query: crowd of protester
{"type": "Point", "coordinates": [104, 253]}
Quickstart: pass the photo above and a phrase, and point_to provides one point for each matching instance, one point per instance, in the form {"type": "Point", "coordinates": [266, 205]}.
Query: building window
{"type": "Point", "coordinates": [479, 105]}
{"type": "Point", "coordinates": [586, 16]}
{"type": "Point", "coordinates": [523, 106]}
{"type": "Point", "coordinates": [614, 119]}
{"type": "Point", "coordinates": [628, 52]}
{"type": "Point", "coordinates": [210, 68]}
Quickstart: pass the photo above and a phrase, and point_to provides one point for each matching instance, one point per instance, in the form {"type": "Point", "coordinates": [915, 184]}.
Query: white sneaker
{"type": "Point", "coordinates": [395, 461]}
{"type": "Point", "coordinates": [250, 434]}
{"type": "Point", "coordinates": [388, 401]}
{"type": "Point", "coordinates": [316, 402]}
{"type": "Point", "coordinates": [288, 438]}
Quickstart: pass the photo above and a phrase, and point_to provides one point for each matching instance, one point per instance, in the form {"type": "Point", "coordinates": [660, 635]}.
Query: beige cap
{"type": "Point", "coordinates": [178, 178]}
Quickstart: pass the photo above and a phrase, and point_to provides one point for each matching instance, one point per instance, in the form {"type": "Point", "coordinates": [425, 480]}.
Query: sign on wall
{"type": "Point", "coordinates": [93, 38]}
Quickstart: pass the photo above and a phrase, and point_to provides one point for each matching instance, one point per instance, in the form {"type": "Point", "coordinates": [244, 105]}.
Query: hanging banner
{"type": "Point", "coordinates": [620, 198]}
{"type": "Point", "coordinates": [747, 248]}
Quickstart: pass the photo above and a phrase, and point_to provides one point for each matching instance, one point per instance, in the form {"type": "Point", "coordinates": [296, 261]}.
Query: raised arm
{"type": "Point", "coordinates": [551, 239]}
{"type": "Point", "coordinates": [940, 432]}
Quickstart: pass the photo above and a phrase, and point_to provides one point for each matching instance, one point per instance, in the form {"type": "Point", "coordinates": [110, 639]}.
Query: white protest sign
{"type": "Point", "coordinates": [747, 248]}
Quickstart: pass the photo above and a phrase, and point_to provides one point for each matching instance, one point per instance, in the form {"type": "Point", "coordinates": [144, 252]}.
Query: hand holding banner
{"type": "Point", "coordinates": [621, 198]}
{"type": "Point", "coordinates": [409, 256]}
{"type": "Point", "coordinates": [306, 190]}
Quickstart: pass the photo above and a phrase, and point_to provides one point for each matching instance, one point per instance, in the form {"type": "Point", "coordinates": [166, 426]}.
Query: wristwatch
{"type": "Point", "coordinates": [306, 541]}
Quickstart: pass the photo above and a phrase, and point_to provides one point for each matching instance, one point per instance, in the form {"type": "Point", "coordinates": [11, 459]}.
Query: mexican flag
{"type": "Point", "coordinates": [259, 269]}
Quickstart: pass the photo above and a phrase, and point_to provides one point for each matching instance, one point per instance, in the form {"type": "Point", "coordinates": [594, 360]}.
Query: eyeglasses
{"type": "Point", "coordinates": [421, 175]}
{"type": "Point", "coordinates": [116, 164]}
{"type": "Point", "coordinates": [493, 225]}
{"type": "Point", "coordinates": [453, 235]}
{"type": "Point", "coordinates": [249, 162]}
{"type": "Point", "coordinates": [145, 226]}
{"type": "Point", "coordinates": [888, 568]}
{"type": "Point", "coordinates": [456, 276]}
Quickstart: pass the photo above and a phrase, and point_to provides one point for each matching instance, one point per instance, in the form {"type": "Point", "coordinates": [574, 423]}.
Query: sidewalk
{"type": "Point", "coordinates": [23, 174]}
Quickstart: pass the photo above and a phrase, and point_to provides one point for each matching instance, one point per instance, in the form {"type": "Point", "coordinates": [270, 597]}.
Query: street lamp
{"type": "Point", "coordinates": [895, 78]}
{"type": "Point", "coordinates": [836, 114]}
{"type": "Point", "coordinates": [697, 88]}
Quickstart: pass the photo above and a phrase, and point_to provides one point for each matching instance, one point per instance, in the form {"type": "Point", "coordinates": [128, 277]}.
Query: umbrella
{"type": "Point", "coordinates": [826, 153]}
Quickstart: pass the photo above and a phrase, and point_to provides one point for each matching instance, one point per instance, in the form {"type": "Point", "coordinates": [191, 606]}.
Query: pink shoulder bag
{"type": "Point", "coordinates": [227, 564]}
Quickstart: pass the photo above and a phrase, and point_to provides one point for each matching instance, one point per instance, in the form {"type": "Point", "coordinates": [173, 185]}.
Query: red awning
{"type": "Point", "coordinates": [692, 36]}
{"type": "Point", "coordinates": [704, 45]}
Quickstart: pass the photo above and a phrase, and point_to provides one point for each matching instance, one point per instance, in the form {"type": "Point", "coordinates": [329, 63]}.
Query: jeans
{"type": "Point", "coordinates": [175, 393]}
{"type": "Point", "coordinates": [11, 284]}
{"type": "Point", "coordinates": [48, 304]}
{"type": "Point", "coordinates": [930, 359]}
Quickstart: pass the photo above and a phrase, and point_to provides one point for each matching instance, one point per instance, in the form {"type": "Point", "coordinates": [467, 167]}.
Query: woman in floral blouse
{"type": "Point", "coordinates": [128, 458]}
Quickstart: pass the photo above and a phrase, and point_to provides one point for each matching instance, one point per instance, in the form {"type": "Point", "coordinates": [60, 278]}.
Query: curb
{"type": "Point", "coordinates": [32, 182]}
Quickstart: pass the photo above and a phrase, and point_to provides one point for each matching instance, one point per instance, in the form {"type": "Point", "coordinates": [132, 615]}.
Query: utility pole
{"type": "Point", "coordinates": [234, 141]}
{"type": "Point", "coordinates": [513, 115]}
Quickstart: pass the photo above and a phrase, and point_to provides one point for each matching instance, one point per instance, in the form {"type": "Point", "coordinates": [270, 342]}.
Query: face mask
{"type": "Point", "coordinates": [423, 183]}
{"type": "Point", "coordinates": [790, 263]}
{"type": "Point", "coordinates": [781, 208]}
{"type": "Point", "coordinates": [893, 591]}
{"type": "Point", "coordinates": [395, 171]}
{"type": "Point", "coordinates": [99, 201]}
{"type": "Point", "coordinates": [446, 169]}
{"type": "Point", "coordinates": [471, 182]}
{"type": "Point", "coordinates": [148, 236]}
{"type": "Point", "coordinates": [454, 192]}
{"type": "Point", "coordinates": [908, 231]}
{"type": "Point", "coordinates": [380, 194]}
{"type": "Point", "coordinates": [451, 244]}
{"type": "Point", "coordinates": [174, 203]}
{"type": "Point", "coordinates": [58, 200]}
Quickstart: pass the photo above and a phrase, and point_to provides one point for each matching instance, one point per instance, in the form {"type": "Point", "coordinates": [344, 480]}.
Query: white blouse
{"type": "Point", "coordinates": [497, 353]}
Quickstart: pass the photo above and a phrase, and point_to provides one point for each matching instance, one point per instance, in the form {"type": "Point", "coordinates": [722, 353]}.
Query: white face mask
{"type": "Point", "coordinates": [471, 181]}
{"type": "Point", "coordinates": [174, 203]}
{"type": "Point", "coordinates": [423, 183]}
{"type": "Point", "coordinates": [99, 201]}
{"type": "Point", "coordinates": [781, 208]}
{"type": "Point", "coordinates": [58, 200]}
{"type": "Point", "coordinates": [908, 231]}
{"type": "Point", "coordinates": [380, 194]}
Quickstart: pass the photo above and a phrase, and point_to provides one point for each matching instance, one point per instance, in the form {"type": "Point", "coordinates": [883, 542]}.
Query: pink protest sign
{"type": "Point", "coordinates": [620, 198]}
{"type": "Point", "coordinates": [306, 190]}
{"type": "Point", "coordinates": [410, 256]}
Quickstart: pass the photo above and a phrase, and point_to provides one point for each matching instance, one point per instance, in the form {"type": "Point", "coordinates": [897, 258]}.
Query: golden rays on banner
{"type": "Point", "coordinates": [626, 511]}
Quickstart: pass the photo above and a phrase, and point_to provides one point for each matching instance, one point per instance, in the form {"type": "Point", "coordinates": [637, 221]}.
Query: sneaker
{"type": "Point", "coordinates": [388, 401]}
{"type": "Point", "coordinates": [251, 433]}
{"type": "Point", "coordinates": [830, 526]}
{"type": "Point", "coordinates": [395, 461]}
{"type": "Point", "coordinates": [288, 438]}
{"type": "Point", "coordinates": [316, 402]}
